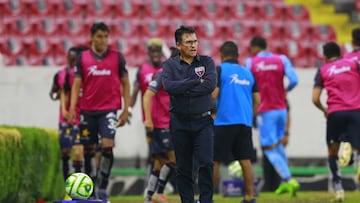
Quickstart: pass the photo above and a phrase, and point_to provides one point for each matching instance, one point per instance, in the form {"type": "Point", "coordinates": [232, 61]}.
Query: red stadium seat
{"type": "Point", "coordinates": [297, 13]}
{"type": "Point", "coordinates": [4, 9]}
{"type": "Point", "coordinates": [242, 29]}
{"type": "Point", "coordinates": [242, 9]}
{"type": "Point", "coordinates": [131, 8]}
{"type": "Point", "coordinates": [157, 8]}
{"type": "Point", "coordinates": [214, 10]}
{"type": "Point", "coordinates": [244, 49]}
{"type": "Point", "coordinates": [156, 28]}
{"type": "Point", "coordinates": [14, 45]}
{"type": "Point", "coordinates": [323, 33]}
{"type": "Point", "coordinates": [51, 8]}
{"type": "Point", "coordinates": [24, 7]}
{"type": "Point", "coordinates": [297, 30]}
{"type": "Point", "coordinates": [127, 27]}
{"type": "Point", "coordinates": [188, 9]}
{"type": "Point", "coordinates": [9, 60]}
{"type": "Point", "coordinates": [207, 29]}
{"type": "Point", "coordinates": [211, 48]}
{"type": "Point", "coordinates": [271, 10]}
{"type": "Point", "coordinates": [4, 49]}
{"type": "Point", "coordinates": [271, 30]}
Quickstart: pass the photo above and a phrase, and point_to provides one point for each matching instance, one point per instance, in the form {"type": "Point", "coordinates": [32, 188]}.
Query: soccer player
{"type": "Point", "coordinates": [269, 70]}
{"type": "Point", "coordinates": [272, 179]}
{"type": "Point", "coordinates": [69, 132]}
{"type": "Point", "coordinates": [237, 101]}
{"type": "Point", "coordinates": [104, 79]}
{"type": "Point", "coordinates": [143, 77]}
{"type": "Point", "coordinates": [189, 79]}
{"type": "Point", "coordinates": [355, 42]}
{"type": "Point", "coordinates": [157, 120]}
{"type": "Point", "coordinates": [341, 79]}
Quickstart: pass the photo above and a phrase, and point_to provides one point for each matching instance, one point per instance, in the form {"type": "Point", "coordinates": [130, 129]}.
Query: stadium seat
{"type": "Point", "coordinates": [157, 28]}
{"type": "Point", "coordinates": [126, 27]}
{"type": "Point", "coordinates": [297, 13]}
{"type": "Point", "coordinates": [4, 49]}
{"type": "Point", "coordinates": [157, 8]}
{"type": "Point", "coordinates": [9, 60]}
{"type": "Point", "coordinates": [323, 33]}
{"type": "Point", "coordinates": [244, 49]}
{"type": "Point", "coordinates": [53, 8]}
{"type": "Point", "coordinates": [271, 30]}
{"type": "Point", "coordinates": [207, 29]}
{"type": "Point", "coordinates": [242, 29]}
{"type": "Point", "coordinates": [242, 10]}
{"type": "Point", "coordinates": [188, 9]}
{"type": "Point", "coordinates": [23, 7]}
{"type": "Point", "coordinates": [211, 47]}
{"type": "Point", "coordinates": [271, 10]}
{"type": "Point", "coordinates": [4, 9]}
{"type": "Point", "coordinates": [214, 10]}
{"type": "Point", "coordinates": [297, 30]}
{"type": "Point", "coordinates": [14, 46]}
{"type": "Point", "coordinates": [131, 8]}
{"type": "Point", "coordinates": [80, 8]}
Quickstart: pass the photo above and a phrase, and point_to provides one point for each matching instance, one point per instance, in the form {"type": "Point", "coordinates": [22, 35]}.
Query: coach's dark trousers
{"type": "Point", "coordinates": [193, 137]}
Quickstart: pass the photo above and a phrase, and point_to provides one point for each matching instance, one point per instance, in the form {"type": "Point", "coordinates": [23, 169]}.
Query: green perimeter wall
{"type": "Point", "coordinates": [29, 165]}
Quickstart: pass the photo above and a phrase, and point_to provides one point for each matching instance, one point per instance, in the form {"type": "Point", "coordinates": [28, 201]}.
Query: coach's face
{"type": "Point", "coordinates": [99, 41]}
{"type": "Point", "coordinates": [188, 46]}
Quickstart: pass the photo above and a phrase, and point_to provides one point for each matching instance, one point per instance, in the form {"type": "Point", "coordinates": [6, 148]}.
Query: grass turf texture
{"type": "Point", "coordinates": [303, 197]}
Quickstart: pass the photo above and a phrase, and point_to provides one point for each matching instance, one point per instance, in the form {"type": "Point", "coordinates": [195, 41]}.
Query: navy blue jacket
{"type": "Point", "coordinates": [182, 81]}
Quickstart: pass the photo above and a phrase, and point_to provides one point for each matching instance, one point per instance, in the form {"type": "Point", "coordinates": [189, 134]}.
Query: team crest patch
{"type": "Point", "coordinates": [200, 71]}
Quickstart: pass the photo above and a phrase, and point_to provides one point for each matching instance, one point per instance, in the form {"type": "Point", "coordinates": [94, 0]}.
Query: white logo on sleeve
{"type": "Point", "coordinates": [333, 70]}
{"type": "Point", "coordinates": [236, 80]}
{"type": "Point", "coordinates": [95, 72]}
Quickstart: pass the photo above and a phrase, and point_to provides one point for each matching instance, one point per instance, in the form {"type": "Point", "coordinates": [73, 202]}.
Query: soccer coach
{"type": "Point", "coordinates": [189, 79]}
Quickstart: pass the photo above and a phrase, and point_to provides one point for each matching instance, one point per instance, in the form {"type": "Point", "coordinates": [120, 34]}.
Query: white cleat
{"type": "Point", "coordinates": [344, 154]}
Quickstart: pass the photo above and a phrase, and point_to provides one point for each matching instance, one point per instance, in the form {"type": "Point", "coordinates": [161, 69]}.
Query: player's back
{"type": "Point", "coordinates": [269, 72]}
{"type": "Point", "coordinates": [341, 79]}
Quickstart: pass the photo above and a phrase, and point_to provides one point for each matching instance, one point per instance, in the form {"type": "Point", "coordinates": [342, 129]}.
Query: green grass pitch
{"type": "Point", "coordinates": [302, 197]}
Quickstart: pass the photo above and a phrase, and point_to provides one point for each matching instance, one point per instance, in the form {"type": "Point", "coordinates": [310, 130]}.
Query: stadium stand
{"type": "Point", "coordinates": [56, 25]}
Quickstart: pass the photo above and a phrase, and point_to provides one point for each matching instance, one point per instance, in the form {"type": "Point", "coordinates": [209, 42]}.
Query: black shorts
{"type": "Point", "coordinates": [233, 142]}
{"type": "Point", "coordinates": [160, 141]}
{"type": "Point", "coordinates": [96, 125]}
{"type": "Point", "coordinates": [343, 125]}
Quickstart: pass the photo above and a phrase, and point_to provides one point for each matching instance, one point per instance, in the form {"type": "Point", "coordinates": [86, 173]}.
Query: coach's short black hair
{"type": "Point", "coordinates": [229, 49]}
{"type": "Point", "coordinates": [258, 41]}
{"type": "Point", "coordinates": [355, 34]}
{"type": "Point", "coordinates": [183, 30]}
{"type": "Point", "coordinates": [331, 49]}
{"type": "Point", "coordinates": [99, 26]}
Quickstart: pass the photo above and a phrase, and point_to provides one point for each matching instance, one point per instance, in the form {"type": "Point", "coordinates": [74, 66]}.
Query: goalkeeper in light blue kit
{"type": "Point", "coordinates": [269, 71]}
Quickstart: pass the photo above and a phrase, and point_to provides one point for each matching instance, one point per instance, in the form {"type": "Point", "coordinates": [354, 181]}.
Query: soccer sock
{"type": "Point", "coordinates": [65, 164]}
{"type": "Point", "coordinates": [88, 158]}
{"type": "Point", "coordinates": [334, 168]}
{"type": "Point", "coordinates": [77, 166]}
{"type": "Point", "coordinates": [164, 175]}
{"type": "Point", "coordinates": [152, 183]}
{"type": "Point", "coordinates": [279, 162]}
{"type": "Point", "coordinates": [107, 159]}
